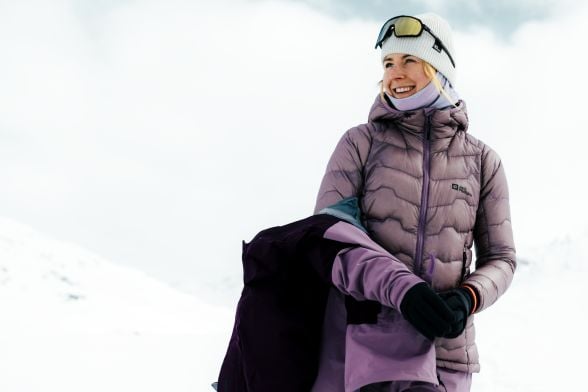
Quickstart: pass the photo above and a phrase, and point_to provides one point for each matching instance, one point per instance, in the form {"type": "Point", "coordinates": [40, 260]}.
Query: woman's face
{"type": "Point", "coordinates": [403, 75]}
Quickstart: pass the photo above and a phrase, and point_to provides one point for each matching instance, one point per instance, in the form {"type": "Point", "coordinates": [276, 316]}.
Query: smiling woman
{"type": "Point", "coordinates": [428, 191]}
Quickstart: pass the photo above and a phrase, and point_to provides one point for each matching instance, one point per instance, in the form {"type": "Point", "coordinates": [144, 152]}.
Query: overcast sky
{"type": "Point", "coordinates": [160, 134]}
{"type": "Point", "coordinates": [501, 16]}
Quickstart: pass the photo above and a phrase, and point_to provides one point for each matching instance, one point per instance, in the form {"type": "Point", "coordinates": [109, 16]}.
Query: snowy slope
{"type": "Point", "coordinates": [71, 321]}
{"type": "Point", "coordinates": [534, 338]}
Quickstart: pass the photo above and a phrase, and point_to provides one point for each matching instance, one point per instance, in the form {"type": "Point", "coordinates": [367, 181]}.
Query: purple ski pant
{"type": "Point", "coordinates": [450, 381]}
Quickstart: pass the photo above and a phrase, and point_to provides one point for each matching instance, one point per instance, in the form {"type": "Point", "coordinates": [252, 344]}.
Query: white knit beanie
{"type": "Point", "coordinates": [423, 45]}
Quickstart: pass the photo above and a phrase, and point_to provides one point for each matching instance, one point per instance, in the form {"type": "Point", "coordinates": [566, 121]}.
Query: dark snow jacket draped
{"type": "Point", "coordinates": [318, 312]}
{"type": "Point", "coordinates": [276, 336]}
{"type": "Point", "coordinates": [428, 192]}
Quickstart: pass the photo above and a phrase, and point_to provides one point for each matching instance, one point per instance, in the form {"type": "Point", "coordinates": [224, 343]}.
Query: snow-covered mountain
{"type": "Point", "coordinates": [72, 321]}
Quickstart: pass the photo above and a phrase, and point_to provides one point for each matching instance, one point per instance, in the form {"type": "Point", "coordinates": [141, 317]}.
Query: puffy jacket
{"type": "Point", "coordinates": [428, 192]}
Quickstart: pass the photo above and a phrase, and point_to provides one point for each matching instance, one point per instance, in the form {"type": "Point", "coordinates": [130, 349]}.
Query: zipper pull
{"type": "Point", "coordinates": [428, 127]}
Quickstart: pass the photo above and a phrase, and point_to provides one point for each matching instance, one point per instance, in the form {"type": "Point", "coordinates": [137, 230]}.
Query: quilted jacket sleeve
{"type": "Point", "coordinates": [493, 238]}
{"type": "Point", "coordinates": [344, 175]}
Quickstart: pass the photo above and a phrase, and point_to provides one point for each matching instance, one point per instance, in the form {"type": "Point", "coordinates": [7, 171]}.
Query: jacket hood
{"type": "Point", "coordinates": [444, 122]}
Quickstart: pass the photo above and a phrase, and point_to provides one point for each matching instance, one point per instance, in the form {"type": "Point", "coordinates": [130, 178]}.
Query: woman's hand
{"type": "Point", "coordinates": [427, 311]}
{"type": "Point", "coordinates": [460, 302]}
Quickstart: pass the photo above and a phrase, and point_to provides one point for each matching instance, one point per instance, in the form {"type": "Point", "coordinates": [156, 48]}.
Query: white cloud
{"type": "Point", "coordinates": [526, 99]}
{"type": "Point", "coordinates": [154, 122]}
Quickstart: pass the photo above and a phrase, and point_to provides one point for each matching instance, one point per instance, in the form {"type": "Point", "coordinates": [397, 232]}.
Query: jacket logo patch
{"type": "Point", "coordinates": [461, 189]}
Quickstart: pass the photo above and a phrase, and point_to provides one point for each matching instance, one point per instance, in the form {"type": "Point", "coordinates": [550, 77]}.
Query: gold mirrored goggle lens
{"type": "Point", "coordinates": [407, 27]}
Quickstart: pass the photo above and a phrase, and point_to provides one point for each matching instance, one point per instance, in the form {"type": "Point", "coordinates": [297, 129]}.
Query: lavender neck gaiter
{"type": "Point", "coordinates": [427, 97]}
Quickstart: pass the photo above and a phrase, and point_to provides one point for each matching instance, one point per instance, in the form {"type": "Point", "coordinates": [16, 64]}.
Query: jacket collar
{"type": "Point", "coordinates": [444, 122]}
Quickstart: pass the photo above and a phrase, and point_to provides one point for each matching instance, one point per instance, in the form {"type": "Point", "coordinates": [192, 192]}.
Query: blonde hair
{"type": "Point", "coordinates": [431, 73]}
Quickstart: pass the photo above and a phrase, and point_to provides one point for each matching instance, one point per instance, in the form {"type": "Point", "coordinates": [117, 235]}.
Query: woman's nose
{"type": "Point", "coordinates": [397, 73]}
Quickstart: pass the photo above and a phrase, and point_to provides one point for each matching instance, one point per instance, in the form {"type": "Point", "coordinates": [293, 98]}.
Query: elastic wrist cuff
{"type": "Point", "coordinates": [473, 295]}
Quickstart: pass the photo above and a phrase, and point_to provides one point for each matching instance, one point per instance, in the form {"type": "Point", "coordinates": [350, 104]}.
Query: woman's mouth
{"type": "Point", "coordinates": [402, 90]}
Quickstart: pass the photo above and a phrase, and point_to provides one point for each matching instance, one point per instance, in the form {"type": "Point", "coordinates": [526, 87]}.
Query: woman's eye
{"type": "Point", "coordinates": [388, 65]}
{"type": "Point", "coordinates": [409, 61]}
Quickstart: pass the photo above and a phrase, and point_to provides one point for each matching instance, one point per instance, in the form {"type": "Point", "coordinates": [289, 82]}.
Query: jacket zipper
{"type": "Point", "coordinates": [424, 198]}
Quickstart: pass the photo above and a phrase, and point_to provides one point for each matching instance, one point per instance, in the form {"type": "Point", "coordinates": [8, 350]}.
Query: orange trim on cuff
{"type": "Point", "coordinates": [474, 297]}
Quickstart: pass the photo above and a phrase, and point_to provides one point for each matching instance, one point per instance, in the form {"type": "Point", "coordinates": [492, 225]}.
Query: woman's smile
{"type": "Point", "coordinates": [404, 90]}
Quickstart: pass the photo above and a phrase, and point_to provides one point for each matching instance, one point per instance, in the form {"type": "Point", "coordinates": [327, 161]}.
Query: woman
{"type": "Point", "coordinates": [427, 191]}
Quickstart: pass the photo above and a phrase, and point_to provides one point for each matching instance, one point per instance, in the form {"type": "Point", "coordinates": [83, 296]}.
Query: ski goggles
{"type": "Point", "coordinates": [409, 26]}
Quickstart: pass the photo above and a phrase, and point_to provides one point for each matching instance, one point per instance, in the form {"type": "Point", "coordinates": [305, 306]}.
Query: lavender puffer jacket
{"type": "Point", "coordinates": [428, 191]}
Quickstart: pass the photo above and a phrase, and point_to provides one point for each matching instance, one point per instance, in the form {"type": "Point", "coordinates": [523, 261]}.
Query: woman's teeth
{"type": "Point", "coordinates": [400, 90]}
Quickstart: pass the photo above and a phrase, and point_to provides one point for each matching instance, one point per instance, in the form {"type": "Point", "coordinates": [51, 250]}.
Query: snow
{"type": "Point", "coordinates": [533, 339]}
{"type": "Point", "coordinates": [72, 321]}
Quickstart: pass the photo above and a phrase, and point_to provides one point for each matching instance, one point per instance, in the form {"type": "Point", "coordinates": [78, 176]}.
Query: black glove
{"type": "Point", "coordinates": [460, 301]}
{"type": "Point", "coordinates": [426, 311]}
